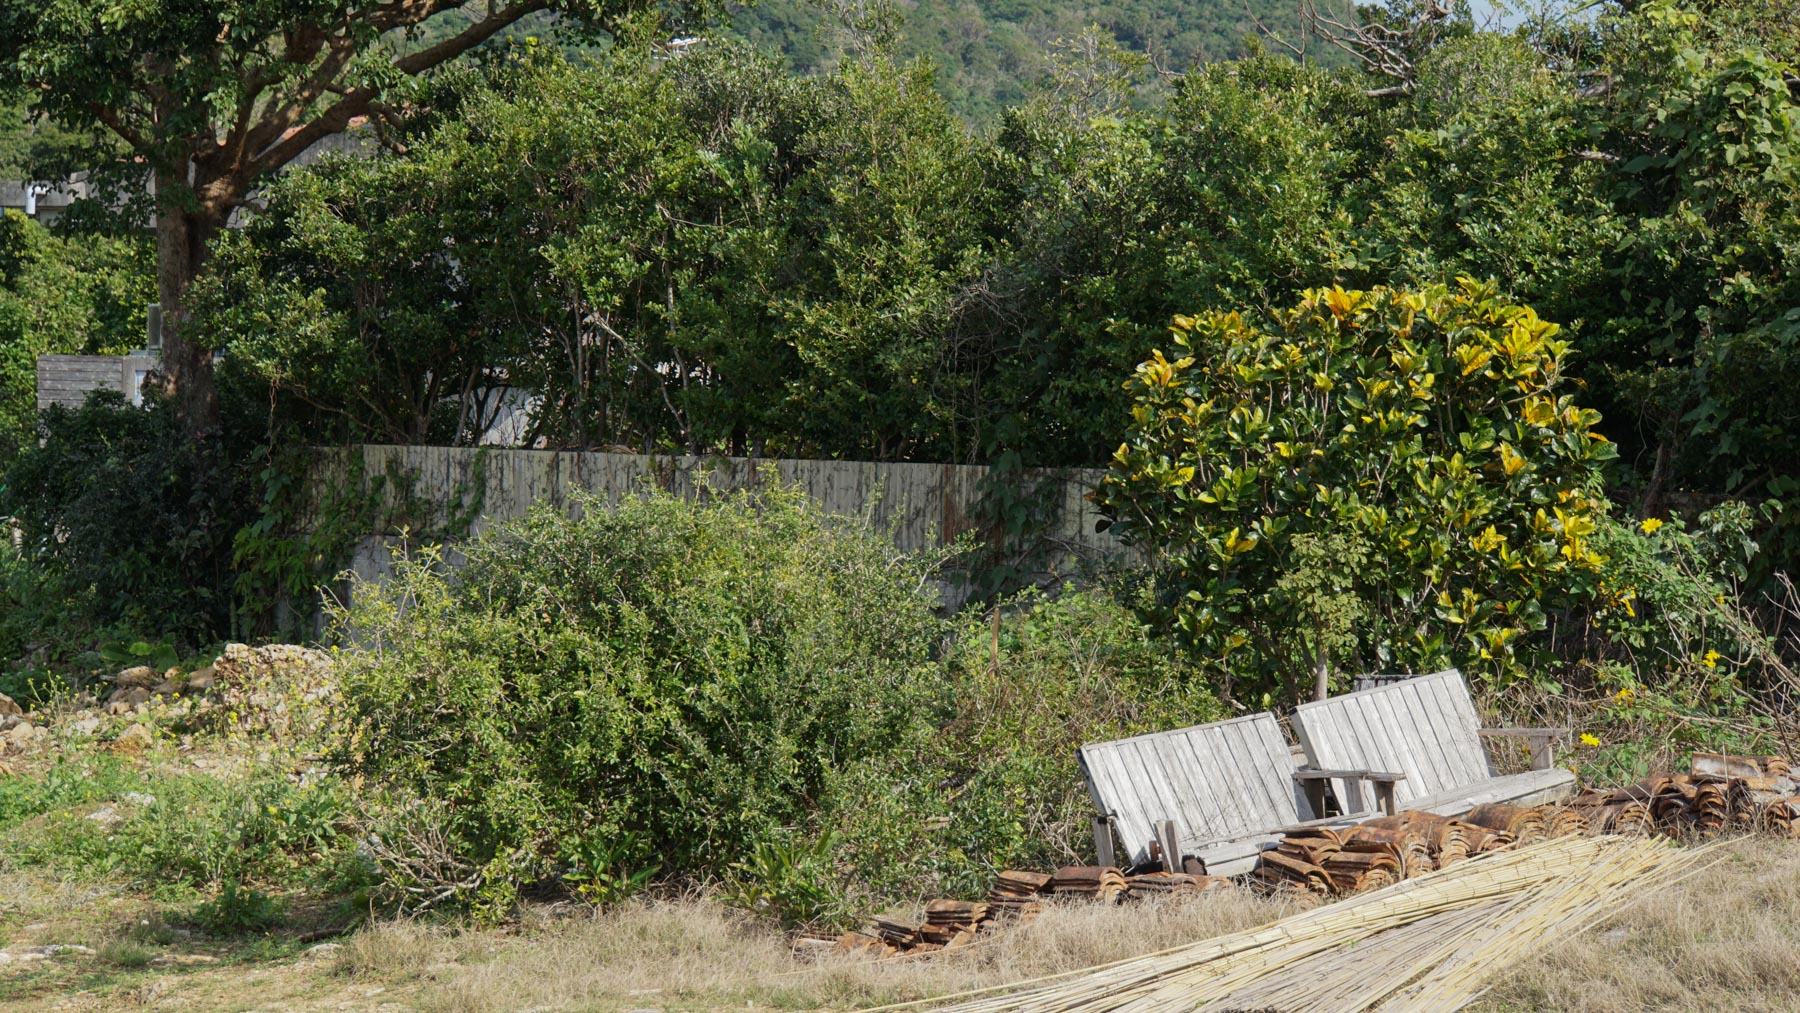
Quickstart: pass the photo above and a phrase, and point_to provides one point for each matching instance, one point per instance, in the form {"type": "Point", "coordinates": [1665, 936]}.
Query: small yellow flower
{"type": "Point", "coordinates": [1711, 660]}
{"type": "Point", "coordinates": [1625, 695]}
{"type": "Point", "coordinates": [273, 810]}
{"type": "Point", "coordinates": [1650, 525]}
{"type": "Point", "coordinates": [1589, 739]}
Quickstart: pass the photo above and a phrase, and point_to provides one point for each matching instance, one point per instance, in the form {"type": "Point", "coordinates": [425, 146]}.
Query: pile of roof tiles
{"type": "Point", "coordinates": [1345, 860]}
{"type": "Point", "coordinates": [1740, 794]}
{"type": "Point", "coordinates": [1014, 898]}
{"type": "Point", "coordinates": [1722, 793]}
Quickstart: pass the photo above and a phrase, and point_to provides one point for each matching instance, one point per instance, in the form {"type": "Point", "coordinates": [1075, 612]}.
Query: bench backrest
{"type": "Point", "coordinates": [1217, 780]}
{"type": "Point", "coordinates": [1424, 727]}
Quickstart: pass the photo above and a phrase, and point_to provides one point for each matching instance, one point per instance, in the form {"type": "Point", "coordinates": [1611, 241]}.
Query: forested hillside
{"type": "Point", "coordinates": [990, 52]}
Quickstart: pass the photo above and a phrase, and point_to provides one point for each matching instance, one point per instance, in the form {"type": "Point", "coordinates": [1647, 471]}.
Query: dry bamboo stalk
{"type": "Point", "coordinates": [1199, 973]}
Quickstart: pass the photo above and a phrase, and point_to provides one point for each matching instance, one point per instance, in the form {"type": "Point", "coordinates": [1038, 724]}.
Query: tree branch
{"type": "Point", "coordinates": [115, 123]}
{"type": "Point", "coordinates": [280, 146]}
{"type": "Point", "coordinates": [473, 36]}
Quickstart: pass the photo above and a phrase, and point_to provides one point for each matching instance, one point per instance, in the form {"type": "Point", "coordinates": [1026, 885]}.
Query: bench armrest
{"type": "Point", "coordinates": [1310, 774]}
{"type": "Point", "coordinates": [1314, 783]}
{"type": "Point", "coordinates": [1527, 733]}
{"type": "Point", "coordinates": [1541, 741]}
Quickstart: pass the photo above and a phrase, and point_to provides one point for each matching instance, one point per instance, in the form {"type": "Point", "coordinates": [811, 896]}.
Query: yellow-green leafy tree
{"type": "Point", "coordinates": [1385, 480]}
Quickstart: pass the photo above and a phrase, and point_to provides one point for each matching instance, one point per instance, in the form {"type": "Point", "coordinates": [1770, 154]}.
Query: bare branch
{"type": "Point", "coordinates": [1270, 34]}
{"type": "Point", "coordinates": [1380, 48]}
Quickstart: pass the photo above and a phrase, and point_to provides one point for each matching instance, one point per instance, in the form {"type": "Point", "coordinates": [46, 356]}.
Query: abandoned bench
{"type": "Point", "coordinates": [1218, 792]}
{"type": "Point", "coordinates": [1426, 728]}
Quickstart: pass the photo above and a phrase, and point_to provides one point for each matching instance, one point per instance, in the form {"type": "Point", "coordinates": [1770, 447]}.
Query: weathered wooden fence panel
{"type": "Point", "coordinates": [67, 379]}
{"type": "Point", "coordinates": [922, 506]}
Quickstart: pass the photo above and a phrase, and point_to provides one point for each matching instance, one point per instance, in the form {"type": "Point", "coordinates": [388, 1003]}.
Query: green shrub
{"type": "Point", "coordinates": [995, 783]}
{"type": "Point", "coordinates": [793, 881]}
{"type": "Point", "coordinates": [126, 524]}
{"type": "Point", "coordinates": [601, 871]}
{"type": "Point", "coordinates": [685, 674]}
{"type": "Point", "coordinates": [64, 785]}
{"type": "Point", "coordinates": [238, 910]}
{"type": "Point", "coordinates": [1382, 480]}
{"type": "Point", "coordinates": [191, 831]}
{"type": "Point", "coordinates": [31, 687]}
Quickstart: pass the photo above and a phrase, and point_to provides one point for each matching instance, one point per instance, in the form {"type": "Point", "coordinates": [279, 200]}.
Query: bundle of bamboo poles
{"type": "Point", "coordinates": [1427, 943]}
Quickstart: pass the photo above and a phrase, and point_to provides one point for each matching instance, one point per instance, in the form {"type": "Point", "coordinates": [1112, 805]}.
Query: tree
{"type": "Point", "coordinates": [211, 97]}
{"type": "Point", "coordinates": [1389, 479]}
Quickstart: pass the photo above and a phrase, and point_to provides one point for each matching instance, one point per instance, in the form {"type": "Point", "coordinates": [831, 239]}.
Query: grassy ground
{"type": "Point", "coordinates": [124, 834]}
{"type": "Point", "coordinates": [1727, 939]}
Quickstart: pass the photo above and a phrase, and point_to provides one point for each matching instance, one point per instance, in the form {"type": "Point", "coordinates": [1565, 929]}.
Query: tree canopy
{"type": "Point", "coordinates": [211, 97]}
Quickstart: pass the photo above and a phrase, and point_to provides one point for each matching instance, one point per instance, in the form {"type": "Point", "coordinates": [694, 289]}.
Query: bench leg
{"type": "Point", "coordinates": [1170, 845]}
{"type": "Point", "coordinates": [1543, 753]}
{"type": "Point", "coordinates": [1103, 841]}
{"type": "Point", "coordinates": [1384, 791]}
{"type": "Point", "coordinates": [1315, 797]}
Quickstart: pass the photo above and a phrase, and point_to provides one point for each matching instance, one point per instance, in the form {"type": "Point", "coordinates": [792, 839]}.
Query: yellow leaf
{"type": "Point", "coordinates": [1510, 459]}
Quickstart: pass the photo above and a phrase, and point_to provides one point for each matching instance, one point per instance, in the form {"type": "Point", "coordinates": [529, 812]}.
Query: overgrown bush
{"type": "Point", "coordinates": [686, 675]}
{"type": "Point", "coordinates": [995, 784]}
{"type": "Point", "coordinates": [1673, 653]}
{"type": "Point", "coordinates": [125, 524]}
{"type": "Point", "coordinates": [1382, 480]}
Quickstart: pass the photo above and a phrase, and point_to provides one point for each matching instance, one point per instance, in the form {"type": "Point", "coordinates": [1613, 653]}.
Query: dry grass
{"type": "Point", "coordinates": [1726, 939]}
{"type": "Point", "coordinates": [30, 898]}
{"type": "Point", "coordinates": [695, 954]}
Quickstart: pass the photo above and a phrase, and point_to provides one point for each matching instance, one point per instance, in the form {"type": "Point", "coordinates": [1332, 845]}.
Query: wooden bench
{"type": "Point", "coordinates": [1426, 728]}
{"type": "Point", "coordinates": [1219, 792]}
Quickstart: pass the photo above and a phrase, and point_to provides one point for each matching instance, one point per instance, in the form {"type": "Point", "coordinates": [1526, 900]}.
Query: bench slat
{"type": "Point", "coordinates": [1225, 780]}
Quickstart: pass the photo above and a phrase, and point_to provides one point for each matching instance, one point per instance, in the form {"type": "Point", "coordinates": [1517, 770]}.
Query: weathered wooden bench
{"type": "Point", "coordinates": [1426, 728]}
{"type": "Point", "coordinates": [1219, 792]}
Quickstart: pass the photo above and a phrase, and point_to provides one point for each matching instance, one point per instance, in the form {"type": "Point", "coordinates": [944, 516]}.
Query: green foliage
{"type": "Point", "coordinates": [62, 786]}
{"type": "Point", "coordinates": [303, 534]}
{"type": "Point", "coordinates": [30, 686]}
{"type": "Point", "coordinates": [122, 653]}
{"type": "Point", "coordinates": [238, 910]}
{"type": "Point", "coordinates": [795, 882]}
{"type": "Point", "coordinates": [600, 871]}
{"type": "Point", "coordinates": [1670, 602]}
{"type": "Point", "coordinates": [125, 522]}
{"type": "Point", "coordinates": [684, 673]}
{"type": "Point", "coordinates": [988, 53]}
{"type": "Point", "coordinates": [1427, 432]}
{"type": "Point", "coordinates": [80, 295]}
{"type": "Point", "coordinates": [33, 147]}
{"type": "Point", "coordinates": [994, 784]}
{"type": "Point", "coordinates": [197, 831]}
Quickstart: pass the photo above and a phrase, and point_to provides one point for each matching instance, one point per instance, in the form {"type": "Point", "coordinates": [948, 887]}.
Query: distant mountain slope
{"type": "Point", "coordinates": [990, 51]}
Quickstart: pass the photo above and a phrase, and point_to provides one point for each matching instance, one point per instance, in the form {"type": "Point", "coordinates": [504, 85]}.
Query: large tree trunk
{"type": "Point", "coordinates": [185, 229]}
